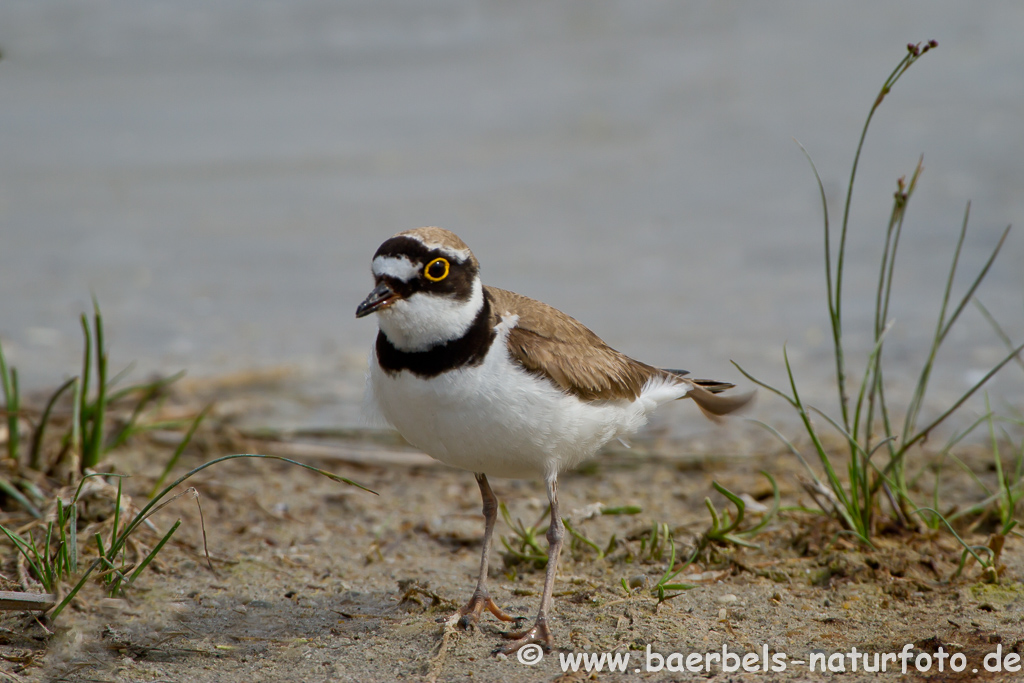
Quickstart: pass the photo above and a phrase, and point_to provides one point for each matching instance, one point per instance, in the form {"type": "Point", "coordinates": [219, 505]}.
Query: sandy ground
{"type": "Point", "coordinates": [318, 581]}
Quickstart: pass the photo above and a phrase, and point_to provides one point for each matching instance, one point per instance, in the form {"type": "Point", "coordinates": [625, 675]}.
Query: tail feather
{"type": "Point", "coordinates": [714, 405]}
{"type": "Point", "coordinates": [704, 393]}
{"type": "Point", "coordinates": [714, 386]}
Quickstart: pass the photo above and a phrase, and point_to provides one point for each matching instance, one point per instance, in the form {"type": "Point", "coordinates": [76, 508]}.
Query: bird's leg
{"type": "Point", "coordinates": [470, 613]}
{"type": "Point", "coordinates": [539, 632]}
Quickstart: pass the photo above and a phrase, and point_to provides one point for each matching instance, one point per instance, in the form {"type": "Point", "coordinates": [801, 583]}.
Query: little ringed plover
{"type": "Point", "coordinates": [500, 384]}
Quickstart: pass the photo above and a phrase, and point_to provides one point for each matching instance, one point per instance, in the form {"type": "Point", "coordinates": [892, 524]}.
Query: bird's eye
{"type": "Point", "coordinates": [436, 270]}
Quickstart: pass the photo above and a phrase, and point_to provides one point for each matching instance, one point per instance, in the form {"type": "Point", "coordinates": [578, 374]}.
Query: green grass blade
{"type": "Point", "coordinates": [76, 421]}
{"type": "Point", "coordinates": [663, 584]}
{"type": "Point", "coordinates": [12, 491]}
{"type": "Point", "coordinates": [10, 405]}
{"type": "Point", "coordinates": [62, 528]}
{"type": "Point", "coordinates": [715, 521]}
{"type": "Point", "coordinates": [623, 510]}
{"type": "Point", "coordinates": [741, 506]}
{"type": "Point", "coordinates": [120, 375]}
{"type": "Point", "coordinates": [83, 393]}
{"type": "Point", "coordinates": [117, 515]}
{"type": "Point", "coordinates": [872, 379]}
{"type": "Point", "coordinates": [77, 587]}
{"type": "Point", "coordinates": [37, 438]}
{"type": "Point", "coordinates": [153, 553]}
{"type": "Point", "coordinates": [156, 385]}
{"type": "Point", "coordinates": [970, 392]}
{"type": "Point", "coordinates": [835, 309]}
{"type": "Point", "coordinates": [179, 450]}
{"type": "Point", "coordinates": [967, 548]}
{"type": "Point", "coordinates": [876, 388]}
{"type": "Point", "coordinates": [13, 408]}
{"type": "Point", "coordinates": [790, 446]}
{"type": "Point", "coordinates": [149, 393]}
{"type": "Point", "coordinates": [48, 560]}
{"type": "Point", "coordinates": [73, 540]}
{"type": "Point", "coordinates": [977, 281]}
{"type": "Point", "coordinates": [31, 555]}
{"type": "Point", "coordinates": [763, 385]}
{"type": "Point", "coordinates": [95, 450]}
{"type": "Point", "coordinates": [833, 479]}
{"type": "Point", "coordinates": [582, 539]}
{"type": "Point", "coordinates": [832, 289]}
{"type": "Point", "coordinates": [998, 329]}
{"type": "Point", "coordinates": [945, 325]}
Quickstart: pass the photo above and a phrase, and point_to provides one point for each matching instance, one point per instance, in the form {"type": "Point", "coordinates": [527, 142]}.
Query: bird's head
{"type": "Point", "coordinates": [427, 291]}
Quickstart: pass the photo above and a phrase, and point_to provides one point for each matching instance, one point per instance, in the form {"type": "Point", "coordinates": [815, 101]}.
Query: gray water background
{"type": "Point", "coordinates": [219, 175]}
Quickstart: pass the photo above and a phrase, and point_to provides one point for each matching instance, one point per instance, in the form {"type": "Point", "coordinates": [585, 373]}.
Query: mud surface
{"type": "Point", "coordinates": [318, 581]}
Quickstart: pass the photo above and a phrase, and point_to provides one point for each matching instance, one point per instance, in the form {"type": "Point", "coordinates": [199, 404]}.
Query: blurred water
{"type": "Point", "coordinates": [219, 174]}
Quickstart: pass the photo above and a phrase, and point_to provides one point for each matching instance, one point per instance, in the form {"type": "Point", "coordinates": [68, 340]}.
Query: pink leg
{"type": "Point", "coordinates": [539, 632]}
{"type": "Point", "coordinates": [481, 599]}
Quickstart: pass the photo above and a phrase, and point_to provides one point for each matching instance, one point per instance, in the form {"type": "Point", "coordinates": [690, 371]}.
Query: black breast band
{"type": "Point", "coordinates": [468, 350]}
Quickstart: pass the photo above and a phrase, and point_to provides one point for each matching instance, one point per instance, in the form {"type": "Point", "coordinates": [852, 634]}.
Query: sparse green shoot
{"type": "Point", "coordinates": [525, 546]}
{"type": "Point", "coordinates": [664, 586]}
{"type": "Point", "coordinates": [725, 529]}
{"type": "Point", "coordinates": [988, 564]}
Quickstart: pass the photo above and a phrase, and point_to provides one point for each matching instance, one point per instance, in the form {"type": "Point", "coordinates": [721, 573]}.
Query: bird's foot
{"type": "Point", "coordinates": [539, 634]}
{"type": "Point", "coordinates": [470, 613]}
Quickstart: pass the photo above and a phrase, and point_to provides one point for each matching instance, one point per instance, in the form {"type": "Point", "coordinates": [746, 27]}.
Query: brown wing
{"type": "Point", "coordinates": [551, 344]}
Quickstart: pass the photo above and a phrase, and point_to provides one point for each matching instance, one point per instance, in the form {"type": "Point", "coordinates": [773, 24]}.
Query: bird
{"type": "Point", "coordinates": [502, 385]}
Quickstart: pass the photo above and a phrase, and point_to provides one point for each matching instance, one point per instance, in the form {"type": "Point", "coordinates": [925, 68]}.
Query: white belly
{"type": "Point", "coordinates": [498, 419]}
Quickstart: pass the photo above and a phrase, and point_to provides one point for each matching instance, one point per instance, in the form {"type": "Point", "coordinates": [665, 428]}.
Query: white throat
{"type": "Point", "coordinates": [425, 320]}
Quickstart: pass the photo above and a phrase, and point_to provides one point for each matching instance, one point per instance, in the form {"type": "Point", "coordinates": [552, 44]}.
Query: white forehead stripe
{"type": "Point", "coordinates": [397, 267]}
{"type": "Point", "coordinates": [456, 254]}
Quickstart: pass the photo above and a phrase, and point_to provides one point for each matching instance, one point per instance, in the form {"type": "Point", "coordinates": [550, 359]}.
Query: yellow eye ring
{"type": "Point", "coordinates": [430, 270]}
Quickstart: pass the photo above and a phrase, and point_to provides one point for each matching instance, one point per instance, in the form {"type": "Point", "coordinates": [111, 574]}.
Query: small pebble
{"type": "Point", "coordinates": [638, 581]}
{"type": "Point", "coordinates": [728, 598]}
{"type": "Point", "coordinates": [501, 656]}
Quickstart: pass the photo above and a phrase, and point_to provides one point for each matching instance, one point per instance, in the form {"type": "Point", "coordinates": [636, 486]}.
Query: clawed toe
{"type": "Point", "coordinates": [471, 611]}
{"type": "Point", "coordinates": [539, 634]}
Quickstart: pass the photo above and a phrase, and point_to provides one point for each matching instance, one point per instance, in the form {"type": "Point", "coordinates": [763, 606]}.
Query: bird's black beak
{"type": "Point", "coordinates": [382, 296]}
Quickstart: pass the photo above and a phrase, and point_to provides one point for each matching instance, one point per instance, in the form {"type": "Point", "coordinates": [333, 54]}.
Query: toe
{"type": "Point", "coordinates": [539, 634]}
{"type": "Point", "coordinates": [471, 611]}
{"type": "Point", "coordinates": [498, 612]}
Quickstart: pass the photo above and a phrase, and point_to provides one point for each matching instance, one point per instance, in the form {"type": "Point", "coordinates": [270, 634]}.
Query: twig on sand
{"type": "Point", "coordinates": [437, 661]}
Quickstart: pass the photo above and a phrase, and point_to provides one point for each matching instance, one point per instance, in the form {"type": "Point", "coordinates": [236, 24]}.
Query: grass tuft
{"type": "Point", "coordinates": [856, 500]}
{"type": "Point", "coordinates": [726, 529]}
{"type": "Point", "coordinates": [49, 546]}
